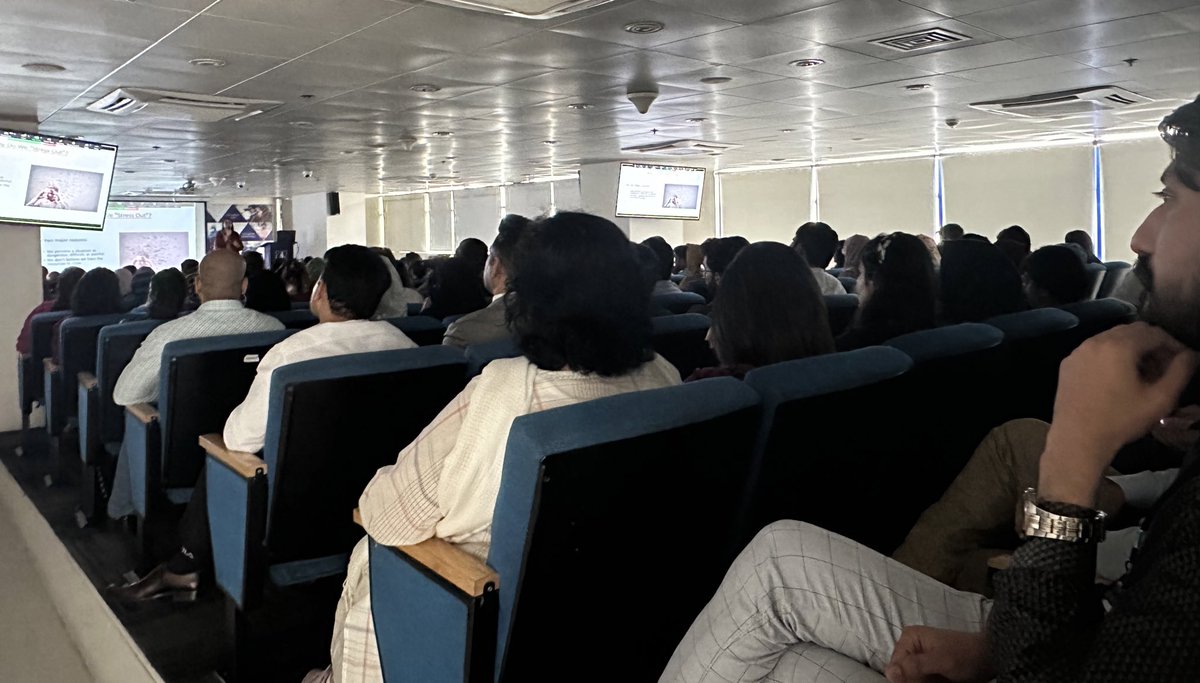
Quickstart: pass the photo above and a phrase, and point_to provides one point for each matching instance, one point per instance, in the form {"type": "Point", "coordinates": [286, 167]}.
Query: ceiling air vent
{"type": "Point", "coordinates": [179, 105]}
{"type": "Point", "coordinates": [526, 9]}
{"type": "Point", "coordinates": [1064, 103]}
{"type": "Point", "coordinates": [681, 148]}
{"type": "Point", "coordinates": [921, 40]}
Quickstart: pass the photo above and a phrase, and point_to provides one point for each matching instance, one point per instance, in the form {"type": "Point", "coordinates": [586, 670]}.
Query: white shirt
{"type": "Point", "coordinates": [138, 382]}
{"type": "Point", "coordinates": [246, 428]}
{"type": "Point", "coordinates": [827, 283]}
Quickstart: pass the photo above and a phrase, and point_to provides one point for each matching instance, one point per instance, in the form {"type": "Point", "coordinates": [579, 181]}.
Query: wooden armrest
{"type": "Point", "coordinates": [144, 412]}
{"type": "Point", "coordinates": [357, 517]}
{"type": "Point", "coordinates": [1000, 562]}
{"type": "Point", "coordinates": [246, 464]}
{"type": "Point", "coordinates": [88, 381]}
{"type": "Point", "coordinates": [49, 365]}
{"type": "Point", "coordinates": [462, 569]}
{"type": "Point", "coordinates": [25, 356]}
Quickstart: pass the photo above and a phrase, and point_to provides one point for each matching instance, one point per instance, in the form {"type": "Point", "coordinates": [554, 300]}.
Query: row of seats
{"type": "Point", "coordinates": [1105, 278]}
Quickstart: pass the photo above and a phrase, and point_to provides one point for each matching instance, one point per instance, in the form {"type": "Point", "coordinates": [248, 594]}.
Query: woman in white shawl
{"type": "Point", "coordinates": [397, 298]}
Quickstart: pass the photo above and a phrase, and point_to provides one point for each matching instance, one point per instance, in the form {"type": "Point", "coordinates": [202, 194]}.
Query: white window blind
{"type": "Point", "coordinates": [1130, 171]}
{"type": "Point", "coordinates": [529, 199]}
{"type": "Point", "coordinates": [404, 224]}
{"type": "Point", "coordinates": [477, 214]}
{"type": "Point", "coordinates": [766, 205]}
{"type": "Point", "coordinates": [567, 196]}
{"type": "Point", "coordinates": [441, 235]}
{"type": "Point", "coordinates": [868, 199]}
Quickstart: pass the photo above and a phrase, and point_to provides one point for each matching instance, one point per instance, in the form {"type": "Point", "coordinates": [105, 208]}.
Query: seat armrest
{"type": "Point", "coordinates": [246, 464]}
{"type": "Point", "coordinates": [144, 412]}
{"type": "Point", "coordinates": [461, 569]}
{"type": "Point", "coordinates": [88, 381]}
{"type": "Point", "coordinates": [1000, 562]}
{"type": "Point", "coordinates": [49, 365]}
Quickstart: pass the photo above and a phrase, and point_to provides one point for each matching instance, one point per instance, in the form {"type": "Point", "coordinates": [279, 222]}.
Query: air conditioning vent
{"type": "Point", "coordinates": [179, 105]}
{"type": "Point", "coordinates": [1063, 103]}
{"type": "Point", "coordinates": [526, 9]}
{"type": "Point", "coordinates": [921, 40]}
{"type": "Point", "coordinates": [681, 148]}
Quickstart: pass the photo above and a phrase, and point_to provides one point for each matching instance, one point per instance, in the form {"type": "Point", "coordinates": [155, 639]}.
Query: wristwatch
{"type": "Point", "coordinates": [1041, 523]}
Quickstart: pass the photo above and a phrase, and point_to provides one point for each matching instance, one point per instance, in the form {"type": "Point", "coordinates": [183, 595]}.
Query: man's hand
{"type": "Point", "coordinates": [925, 655]}
{"type": "Point", "coordinates": [1111, 390]}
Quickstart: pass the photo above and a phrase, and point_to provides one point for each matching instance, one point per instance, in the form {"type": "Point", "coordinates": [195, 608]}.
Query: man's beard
{"type": "Point", "coordinates": [1176, 312]}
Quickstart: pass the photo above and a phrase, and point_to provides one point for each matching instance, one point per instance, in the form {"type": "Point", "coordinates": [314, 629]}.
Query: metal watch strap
{"type": "Point", "coordinates": [1041, 523]}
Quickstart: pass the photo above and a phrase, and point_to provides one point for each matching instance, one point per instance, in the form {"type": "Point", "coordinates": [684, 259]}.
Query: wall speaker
{"type": "Point", "coordinates": [333, 203]}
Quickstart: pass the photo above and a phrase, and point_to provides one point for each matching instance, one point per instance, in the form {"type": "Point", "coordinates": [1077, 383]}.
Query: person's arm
{"type": "Point", "coordinates": [453, 336]}
{"type": "Point", "coordinates": [138, 382]}
{"type": "Point", "coordinates": [399, 505]}
{"type": "Point", "coordinates": [246, 428]}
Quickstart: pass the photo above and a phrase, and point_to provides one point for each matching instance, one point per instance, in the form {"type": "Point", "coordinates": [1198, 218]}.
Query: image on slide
{"type": "Point", "coordinates": [680, 196]}
{"type": "Point", "coordinates": [156, 250]}
{"type": "Point", "coordinates": [63, 188]}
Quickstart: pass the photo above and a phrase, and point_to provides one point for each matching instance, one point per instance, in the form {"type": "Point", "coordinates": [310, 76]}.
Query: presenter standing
{"type": "Point", "coordinates": [228, 238]}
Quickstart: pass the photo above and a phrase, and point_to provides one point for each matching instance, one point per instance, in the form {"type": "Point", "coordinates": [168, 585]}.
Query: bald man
{"type": "Point", "coordinates": [220, 284]}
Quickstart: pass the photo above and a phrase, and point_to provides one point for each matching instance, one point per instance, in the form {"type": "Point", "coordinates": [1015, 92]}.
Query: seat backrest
{"type": "Point", "coordinates": [841, 309]}
{"type": "Point", "coordinates": [836, 272]}
{"type": "Point", "coordinates": [331, 424]}
{"type": "Point", "coordinates": [1096, 274]}
{"type": "Point", "coordinates": [77, 346]}
{"type": "Point", "coordinates": [115, 347]}
{"type": "Point", "coordinates": [1035, 343]}
{"type": "Point", "coordinates": [849, 284]}
{"type": "Point", "coordinates": [423, 330]}
{"type": "Point", "coordinates": [681, 340]}
{"type": "Point", "coordinates": [200, 383]}
{"type": "Point", "coordinates": [295, 319]}
{"type": "Point", "coordinates": [678, 302]}
{"type": "Point", "coordinates": [826, 419]}
{"type": "Point", "coordinates": [1100, 315]}
{"type": "Point", "coordinates": [602, 499]}
{"type": "Point", "coordinates": [415, 309]}
{"type": "Point", "coordinates": [300, 305]}
{"type": "Point", "coordinates": [1115, 273]}
{"type": "Point", "coordinates": [479, 355]}
{"type": "Point", "coordinates": [41, 332]}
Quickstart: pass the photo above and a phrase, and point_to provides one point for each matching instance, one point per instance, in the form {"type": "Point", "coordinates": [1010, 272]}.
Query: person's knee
{"type": "Point", "coordinates": [1022, 430]}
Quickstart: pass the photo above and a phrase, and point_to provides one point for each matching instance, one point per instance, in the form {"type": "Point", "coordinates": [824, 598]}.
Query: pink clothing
{"type": "Point", "coordinates": [25, 339]}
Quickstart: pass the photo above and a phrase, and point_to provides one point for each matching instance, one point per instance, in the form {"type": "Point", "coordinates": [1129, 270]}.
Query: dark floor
{"type": "Point", "coordinates": [186, 643]}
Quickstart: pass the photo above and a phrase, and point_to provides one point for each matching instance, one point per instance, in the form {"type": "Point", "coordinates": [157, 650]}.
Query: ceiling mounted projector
{"type": "Point", "coordinates": [526, 9]}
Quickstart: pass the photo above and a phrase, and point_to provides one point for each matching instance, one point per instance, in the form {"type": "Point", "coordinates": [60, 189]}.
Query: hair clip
{"type": "Point", "coordinates": [882, 248]}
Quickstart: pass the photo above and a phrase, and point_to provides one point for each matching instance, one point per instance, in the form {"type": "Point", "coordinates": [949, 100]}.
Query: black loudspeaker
{"type": "Point", "coordinates": [333, 203]}
{"type": "Point", "coordinates": [285, 244]}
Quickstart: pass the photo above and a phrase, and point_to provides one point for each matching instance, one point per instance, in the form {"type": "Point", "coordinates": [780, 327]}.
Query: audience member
{"type": "Point", "coordinates": [581, 321]}
{"type": "Point", "coordinates": [456, 288]}
{"type": "Point", "coordinates": [976, 238]}
{"type": "Point", "coordinates": [1054, 276]}
{"type": "Point", "coordinates": [680, 259]}
{"type": "Point", "coordinates": [491, 323]}
{"type": "Point", "coordinates": [189, 267]}
{"type": "Point", "coordinates": [1084, 241]}
{"type": "Point", "coordinates": [977, 282]}
{"type": "Point", "coordinates": [897, 292]}
{"type": "Point", "coordinates": [717, 253]}
{"type": "Point", "coordinates": [853, 249]}
{"type": "Point", "coordinates": [816, 242]}
{"type": "Point", "coordinates": [220, 283]}
{"type": "Point", "coordinates": [1015, 252]}
{"type": "Point", "coordinates": [1016, 233]}
{"type": "Point", "coordinates": [266, 293]}
{"type": "Point", "coordinates": [131, 268]}
{"type": "Point", "coordinates": [124, 281]}
{"type": "Point", "coordinates": [767, 311]}
{"type": "Point", "coordinates": [950, 232]}
{"type": "Point", "coordinates": [395, 301]}
{"type": "Point", "coordinates": [254, 263]}
{"type": "Point", "coordinates": [473, 251]}
{"type": "Point", "coordinates": [295, 279]}
{"type": "Point", "coordinates": [839, 255]}
{"type": "Point", "coordinates": [61, 302]}
{"type": "Point", "coordinates": [96, 293]}
{"type": "Point", "coordinates": [168, 288]}
{"type": "Point", "coordinates": [343, 301]}
{"type": "Point", "coordinates": [935, 254]}
{"type": "Point", "coordinates": [139, 289]}
{"type": "Point", "coordinates": [314, 268]}
{"type": "Point", "coordinates": [666, 259]}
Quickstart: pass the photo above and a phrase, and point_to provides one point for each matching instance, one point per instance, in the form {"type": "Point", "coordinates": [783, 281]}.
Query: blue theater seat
{"type": "Point", "coordinates": [613, 527]}
{"type": "Point", "coordinates": [422, 329]}
{"type": "Point", "coordinates": [1115, 273]}
{"type": "Point", "coordinates": [31, 366]}
{"type": "Point", "coordinates": [1035, 344]}
{"type": "Point", "coordinates": [849, 284]}
{"type": "Point", "coordinates": [841, 309]}
{"type": "Point", "coordinates": [77, 353]}
{"type": "Point", "coordinates": [681, 340]}
{"type": "Point", "coordinates": [678, 302]}
{"type": "Point", "coordinates": [479, 355]}
{"type": "Point", "coordinates": [1100, 315]}
{"type": "Point", "coordinates": [294, 319]}
{"type": "Point", "coordinates": [1097, 274]}
{"type": "Point", "coordinates": [415, 309]}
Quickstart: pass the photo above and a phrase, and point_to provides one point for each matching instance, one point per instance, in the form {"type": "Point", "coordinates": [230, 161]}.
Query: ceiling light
{"type": "Point", "coordinates": [306, 96]}
{"type": "Point", "coordinates": [787, 130]}
{"type": "Point", "coordinates": [806, 63]}
{"type": "Point", "coordinates": [43, 67]}
{"type": "Point", "coordinates": [644, 27]}
{"type": "Point", "coordinates": [917, 86]}
{"type": "Point", "coordinates": [714, 80]}
{"type": "Point", "coordinates": [208, 62]}
{"type": "Point", "coordinates": [425, 87]}
{"type": "Point", "coordinates": [443, 133]}
{"type": "Point", "coordinates": [301, 124]}
{"type": "Point", "coordinates": [129, 171]}
{"type": "Point", "coordinates": [698, 119]}
{"type": "Point", "coordinates": [168, 161]}
{"type": "Point", "coordinates": [579, 106]}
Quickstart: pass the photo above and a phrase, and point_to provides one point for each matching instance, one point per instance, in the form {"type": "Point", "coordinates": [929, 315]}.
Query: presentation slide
{"type": "Point", "coordinates": [650, 191]}
{"type": "Point", "coordinates": [53, 181]}
{"type": "Point", "coordinates": [153, 234]}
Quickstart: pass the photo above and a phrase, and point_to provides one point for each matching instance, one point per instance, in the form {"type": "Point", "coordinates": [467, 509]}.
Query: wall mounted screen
{"type": "Point", "coordinates": [155, 234]}
{"type": "Point", "coordinates": [54, 181]}
{"type": "Point", "coordinates": [652, 191]}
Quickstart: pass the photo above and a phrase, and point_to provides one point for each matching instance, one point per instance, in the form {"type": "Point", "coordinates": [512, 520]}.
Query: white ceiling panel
{"type": "Point", "coordinates": [1041, 16]}
{"type": "Point", "coordinates": [735, 46]}
{"type": "Point", "coordinates": [1107, 34]}
{"type": "Point", "coordinates": [745, 12]}
{"type": "Point", "coordinates": [850, 19]}
{"type": "Point", "coordinates": [1187, 44]}
{"type": "Point", "coordinates": [557, 50]}
{"type": "Point", "coordinates": [342, 17]}
{"type": "Point", "coordinates": [249, 37]}
{"type": "Point", "coordinates": [867, 74]}
{"type": "Point", "coordinates": [446, 28]}
{"type": "Point", "coordinates": [107, 18]}
{"type": "Point", "coordinates": [958, 8]}
{"type": "Point", "coordinates": [609, 25]}
{"type": "Point", "coordinates": [1189, 17]}
{"type": "Point", "coordinates": [834, 58]}
{"type": "Point", "coordinates": [1019, 70]}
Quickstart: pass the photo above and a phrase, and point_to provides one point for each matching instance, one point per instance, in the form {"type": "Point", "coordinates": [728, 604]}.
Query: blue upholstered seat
{"type": "Point", "coordinates": [30, 381]}
{"type": "Point", "coordinates": [76, 353]}
{"type": "Point", "coordinates": [849, 284]}
{"type": "Point", "coordinates": [1035, 344]}
{"type": "Point", "coordinates": [1099, 315]}
{"type": "Point", "coordinates": [1097, 274]}
{"type": "Point", "coordinates": [479, 355]}
{"type": "Point", "coordinates": [295, 319]}
{"type": "Point", "coordinates": [422, 329]}
{"type": "Point", "coordinates": [681, 340]}
{"type": "Point", "coordinates": [582, 568]}
{"type": "Point", "coordinates": [1115, 273]}
{"type": "Point", "coordinates": [841, 309]}
{"type": "Point", "coordinates": [678, 302]}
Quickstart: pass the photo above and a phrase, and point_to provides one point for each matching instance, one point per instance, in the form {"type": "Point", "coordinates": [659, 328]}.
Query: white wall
{"type": "Point", "coordinates": [349, 226]}
{"type": "Point", "coordinates": [1130, 171]}
{"type": "Point", "coordinates": [20, 255]}
{"type": "Point", "coordinates": [309, 221]}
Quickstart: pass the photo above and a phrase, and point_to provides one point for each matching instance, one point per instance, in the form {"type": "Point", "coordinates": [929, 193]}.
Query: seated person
{"type": "Point", "coordinates": [343, 301]}
{"type": "Point", "coordinates": [950, 232]}
{"type": "Point", "coordinates": [1015, 244]}
{"type": "Point", "coordinates": [61, 302]}
{"type": "Point", "coordinates": [707, 264]}
{"type": "Point", "coordinates": [896, 292]}
{"type": "Point", "coordinates": [139, 289]}
{"type": "Point", "coordinates": [491, 323]}
{"type": "Point", "coordinates": [168, 289]}
{"type": "Point", "coordinates": [592, 344]}
{"type": "Point", "coordinates": [1054, 276]}
{"type": "Point", "coordinates": [399, 295]}
{"type": "Point", "coordinates": [800, 602]}
{"type": "Point", "coordinates": [266, 293]}
{"type": "Point", "coordinates": [767, 311]}
{"type": "Point", "coordinates": [220, 282]}
{"type": "Point", "coordinates": [97, 293]}
{"type": "Point", "coordinates": [817, 242]}
{"type": "Point", "coordinates": [1084, 241]}
{"type": "Point", "coordinates": [456, 288]}
{"type": "Point", "coordinates": [666, 260]}
{"type": "Point", "coordinates": [852, 249]}
{"type": "Point", "coordinates": [977, 282]}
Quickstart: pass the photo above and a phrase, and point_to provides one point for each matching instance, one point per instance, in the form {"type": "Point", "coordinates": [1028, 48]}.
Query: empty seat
{"type": "Point", "coordinates": [479, 355]}
{"type": "Point", "coordinates": [850, 284]}
{"type": "Point", "coordinates": [30, 367]}
{"type": "Point", "coordinates": [841, 309]}
{"type": "Point", "coordinates": [415, 309]}
{"type": "Point", "coordinates": [678, 302]}
{"type": "Point", "coordinates": [1035, 342]}
{"type": "Point", "coordinates": [423, 330]}
{"type": "Point", "coordinates": [300, 305]}
{"type": "Point", "coordinates": [836, 272]}
{"type": "Point", "coordinates": [295, 319]}
{"type": "Point", "coordinates": [1115, 273]}
{"type": "Point", "coordinates": [1097, 272]}
{"type": "Point", "coordinates": [77, 353]}
{"type": "Point", "coordinates": [1100, 315]}
{"type": "Point", "coordinates": [681, 340]}
{"type": "Point", "coordinates": [573, 568]}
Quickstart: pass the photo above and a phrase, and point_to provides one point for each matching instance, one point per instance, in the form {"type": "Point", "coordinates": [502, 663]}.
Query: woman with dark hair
{"type": "Point", "coordinates": [767, 311]}
{"type": "Point", "coordinates": [455, 288]}
{"type": "Point", "coordinates": [580, 314]}
{"type": "Point", "coordinates": [718, 253]}
{"type": "Point", "coordinates": [266, 293]}
{"type": "Point", "coordinates": [852, 248]}
{"type": "Point", "coordinates": [97, 293]}
{"type": "Point", "coordinates": [1054, 276]}
{"type": "Point", "coordinates": [168, 291]}
{"type": "Point", "coordinates": [227, 237]}
{"type": "Point", "coordinates": [139, 289]}
{"type": "Point", "coordinates": [897, 291]}
{"type": "Point", "coordinates": [977, 282]}
{"type": "Point", "coordinates": [61, 302]}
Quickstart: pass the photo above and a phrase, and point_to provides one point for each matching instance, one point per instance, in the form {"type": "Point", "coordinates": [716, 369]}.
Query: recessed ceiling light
{"type": "Point", "coordinates": [549, 142]}
{"type": "Point", "coordinates": [129, 171]}
{"type": "Point", "coordinates": [301, 124]}
{"type": "Point", "coordinates": [806, 63]}
{"type": "Point", "coordinates": [425, 87]}
{"type": "Point", "coordinates": [787, 130]}
{"type": "Point", "coordinates": [917, 86]}
{"type": "Point", "coordinates": [714, 80]}
{"type": "Point", "coordinates": [858, 139]}
{"type": "Point", "coordinates": [168, 161]}
{"type": "Point", "coordinates": [443, 133]}
{"type": "Point", "coordinates": [349, 151]}
{"type": "Point", "coordinates": [306, 96]}
{"type": "Point", "coordinates": [208, 62]}
{"type": "Point", "coordinates": [697, 119]}
{"type": "Point", "coordinates": [644, 27]}
{"type": "Point", "coordinates": [43, 67]}
{"type": "Point", "coordinates": [779, 159]}
{"type": "Point", "coordinates": [578, 106]}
